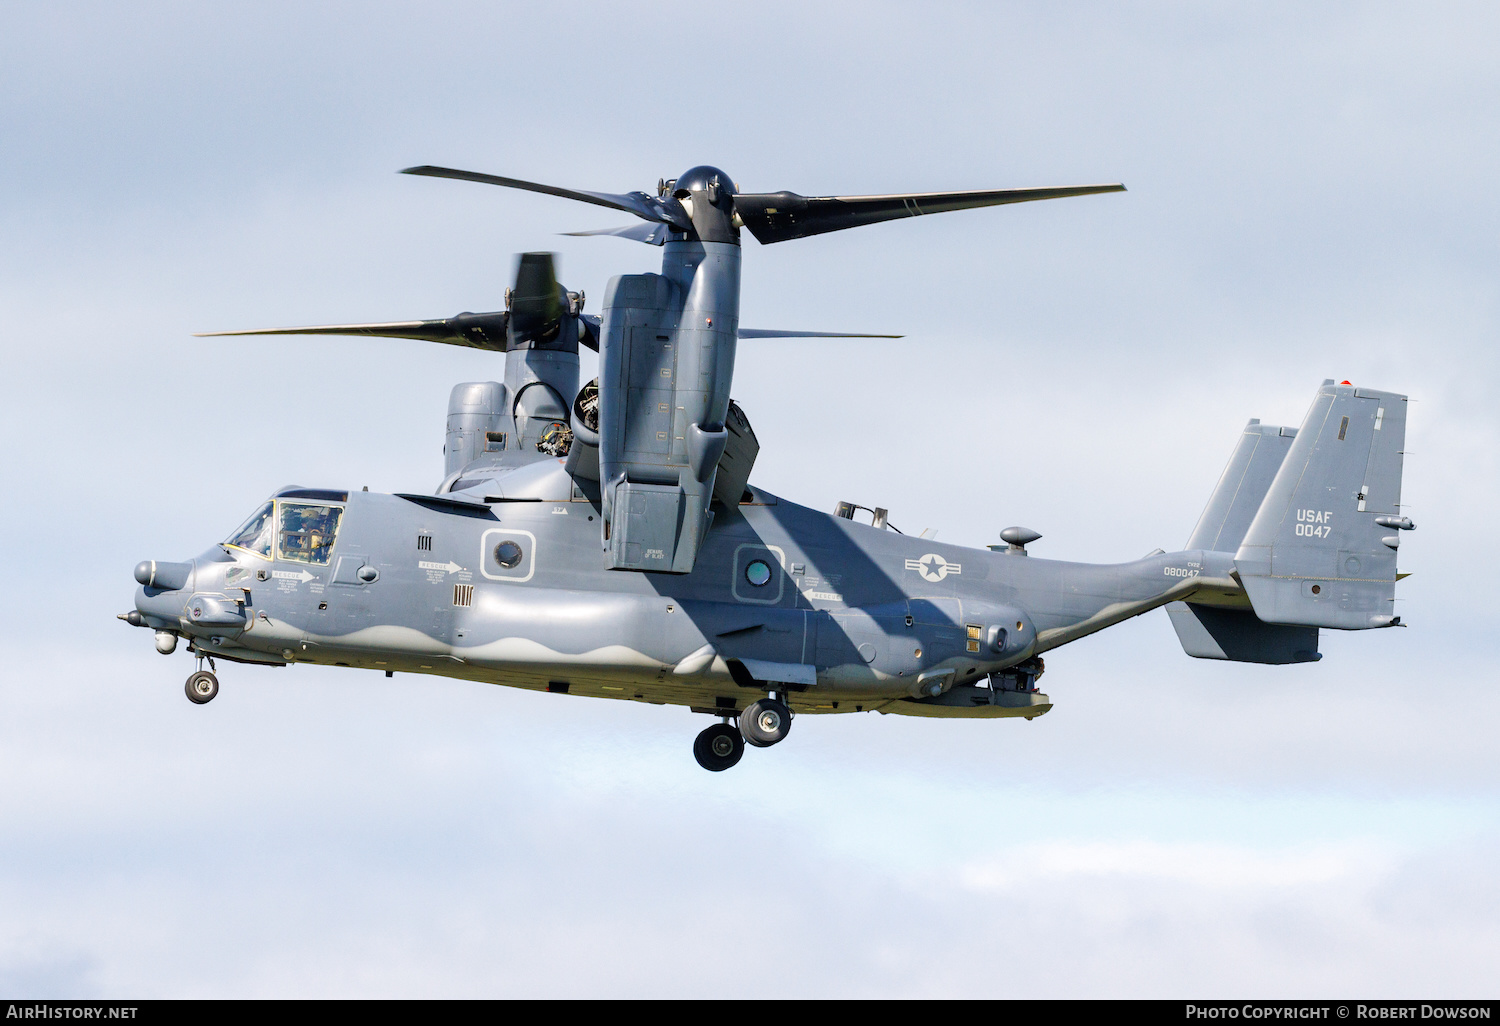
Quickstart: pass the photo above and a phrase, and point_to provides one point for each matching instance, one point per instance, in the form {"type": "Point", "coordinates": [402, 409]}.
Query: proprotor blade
{"type": "Point", "coordinates": [780, 216]}
{"type": "Point", "coordinates": [649, 208]}
{"type": "Point", "coordinates": [474, 330]}
{"type": "Point", "coordinates": [788, 333]}
{"type": "Point", "coordinates": [654, 234]}
{"type": "Point", "coordinates": [536, 303]}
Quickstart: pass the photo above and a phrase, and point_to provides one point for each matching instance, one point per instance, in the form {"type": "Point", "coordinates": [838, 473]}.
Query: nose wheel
{"type": "Point", "coordinates": [717, 748]}
{"type": "Point", "coordinates": [201, 688]}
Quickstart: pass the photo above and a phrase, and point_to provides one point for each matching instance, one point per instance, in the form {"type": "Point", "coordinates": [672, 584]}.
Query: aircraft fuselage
{"type": "Point", "coordinates": [832, 614]}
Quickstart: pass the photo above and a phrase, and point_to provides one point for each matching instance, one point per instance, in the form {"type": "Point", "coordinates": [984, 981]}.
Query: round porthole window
{"type": "Point", "coordinates": [758, 573]}
{"type": "Point", "coordinates": [508, 554]}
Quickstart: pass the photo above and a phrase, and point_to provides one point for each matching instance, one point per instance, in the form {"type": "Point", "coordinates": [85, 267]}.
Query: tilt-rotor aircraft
{"type": "Point", "coordinates": [607, 540]}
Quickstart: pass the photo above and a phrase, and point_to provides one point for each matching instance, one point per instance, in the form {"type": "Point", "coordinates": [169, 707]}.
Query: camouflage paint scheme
{"type": "Point", "coordinates": [613, 567]}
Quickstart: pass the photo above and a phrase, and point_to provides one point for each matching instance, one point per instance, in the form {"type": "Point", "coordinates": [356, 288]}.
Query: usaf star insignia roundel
{"type": "Point", "coordinates": [933, 567]}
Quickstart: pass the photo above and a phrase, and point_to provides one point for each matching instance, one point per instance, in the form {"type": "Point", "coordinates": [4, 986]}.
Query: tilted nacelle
{"type": "Point", "coordinates": [666, 362]}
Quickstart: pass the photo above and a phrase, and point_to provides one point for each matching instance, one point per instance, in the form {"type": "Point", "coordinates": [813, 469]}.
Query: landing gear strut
{"type": "Point", "coordinates": [717, 748]}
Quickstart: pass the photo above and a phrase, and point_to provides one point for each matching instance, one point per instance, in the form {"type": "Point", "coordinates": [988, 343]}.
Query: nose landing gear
{"type": "Point", "coordinates": [202, 685]}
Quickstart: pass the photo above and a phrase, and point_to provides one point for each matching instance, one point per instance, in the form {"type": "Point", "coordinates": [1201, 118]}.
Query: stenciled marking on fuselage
{"type": "Point", "coordinates": [437, 573]}
{"type": "Point", "coordinates": [288, 575]}
{"type": "Point", "coordinates": [933, 567]}
{"type": "Point", "coordinates": [821, 589]}
{"type": "Point", "coordinates": [1314, 523]}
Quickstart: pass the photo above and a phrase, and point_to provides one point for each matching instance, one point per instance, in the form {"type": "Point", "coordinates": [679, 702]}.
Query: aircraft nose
{"type": "Point", "coordinates": [156, 599]}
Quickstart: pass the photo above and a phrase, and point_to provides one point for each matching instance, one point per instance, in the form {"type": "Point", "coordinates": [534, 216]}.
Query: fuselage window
{"type": "Point", "coordinates": [758, 573]}
{"type": "Point", "coordinates": [306, 532]}
{"type": "Point", "coordinates": [255, 536]}
{"type": "Point", "coordinates": [508, 554]}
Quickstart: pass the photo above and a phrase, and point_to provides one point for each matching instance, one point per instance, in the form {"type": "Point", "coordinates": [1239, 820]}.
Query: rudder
{"type": "Point", "coordinates": [1321, 550]}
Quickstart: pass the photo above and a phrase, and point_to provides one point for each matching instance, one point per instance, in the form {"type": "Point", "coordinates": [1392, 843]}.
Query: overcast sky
{"type": "Point", "coordinates": [1311, 195]}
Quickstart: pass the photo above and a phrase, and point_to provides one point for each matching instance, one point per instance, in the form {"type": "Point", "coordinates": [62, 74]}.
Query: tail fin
{"type": "Point", "coordinates": [1242, 486]}
{"type": "Point", "coordinates": [1236, 633]}
{"type": "Point", "coordinates": [1321, 550]}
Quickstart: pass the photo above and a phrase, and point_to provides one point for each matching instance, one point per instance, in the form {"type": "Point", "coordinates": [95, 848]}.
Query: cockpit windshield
{"type": "Point", "coordinates": [299, 531]}
{"type": "Point", "coordinates": [255, 536]}
{"type": "Point", "coordinates": [305, 534]}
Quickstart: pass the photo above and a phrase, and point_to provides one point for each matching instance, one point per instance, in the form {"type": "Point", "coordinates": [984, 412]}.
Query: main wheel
{"type": "Point", "coordinates": [718, 748]}
{"type": "Point", "coordinates": [202, 687]}
{"type": "Point", "coordinates": [765, 722]}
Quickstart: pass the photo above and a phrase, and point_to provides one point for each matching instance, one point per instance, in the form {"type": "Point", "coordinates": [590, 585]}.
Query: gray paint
{"type": "Point", "coordinates": [1216, 632]}
{"type": "Point", "coordinates": [1243, 485]}
{"type": "Point", "coordinates": [1315, 553]}
{"type": "Point", "coordinates": [644, 566]}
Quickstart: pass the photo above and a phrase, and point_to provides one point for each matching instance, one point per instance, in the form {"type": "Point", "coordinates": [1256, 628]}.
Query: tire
{"type": "Point", "coordinates": [765, 723]}
{"type": "Point", "coordinates": [202, 687]}
{"type": "Point", "coordinates": [718, 748]}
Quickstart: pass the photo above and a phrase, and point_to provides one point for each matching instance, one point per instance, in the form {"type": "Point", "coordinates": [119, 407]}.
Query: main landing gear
{"type": "Point", "coordinates": [718, 748]}
{"type": "Point", "coordinates": [766, 722]}
{"type": "Point", "coordinates": [762, 724]}
{"type": "Point", "coordinates": [202, 685]}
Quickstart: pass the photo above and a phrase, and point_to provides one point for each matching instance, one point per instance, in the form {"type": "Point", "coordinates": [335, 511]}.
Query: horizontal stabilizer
{"type": "Point", "coordinates": [1321, 550]}
{"type": "Point", "coordinates": [1213, 632]}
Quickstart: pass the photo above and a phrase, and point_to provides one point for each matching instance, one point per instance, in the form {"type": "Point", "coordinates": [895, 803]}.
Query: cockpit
{"type": "Point", "coordinates": [296, 524]}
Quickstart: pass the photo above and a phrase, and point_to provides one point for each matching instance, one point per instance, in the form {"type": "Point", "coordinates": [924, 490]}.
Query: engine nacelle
{"type": "Point", "coordinates": [478, 422]}
{"type": "Point", "coordinates": [666, 361]}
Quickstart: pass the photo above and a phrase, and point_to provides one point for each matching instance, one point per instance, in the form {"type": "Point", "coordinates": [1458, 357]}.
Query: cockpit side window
{"type": "Point", "coordinates": [305, 532]}
{"type": "Point", "coordinates": [255, 536]}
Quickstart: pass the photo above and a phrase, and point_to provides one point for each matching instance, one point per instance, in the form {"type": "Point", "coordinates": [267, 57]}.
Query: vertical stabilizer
{"type": "Point", "coordinates": [1244, 483]}
{"type": "Point", "coordinates": [1321, 550]}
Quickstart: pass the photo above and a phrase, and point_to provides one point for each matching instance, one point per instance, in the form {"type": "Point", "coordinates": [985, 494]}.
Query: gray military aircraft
{"type": "Point", "coordinates": [607, 541]}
